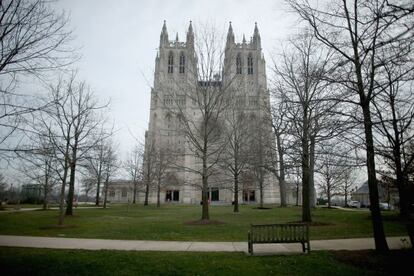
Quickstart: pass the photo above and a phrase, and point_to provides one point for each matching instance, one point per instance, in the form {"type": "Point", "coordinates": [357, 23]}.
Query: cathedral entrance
{"type": "Point", "coordinates": [172, 195]}
{"type": "Point", "coordinates": [249, 196]}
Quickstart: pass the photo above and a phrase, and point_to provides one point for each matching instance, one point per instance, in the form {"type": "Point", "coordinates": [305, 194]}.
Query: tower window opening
{"type": "Point", "coordinates": [238, 64]}
{"type": "Point", "coordinates": [182, 63]}
{"type": "Point", "coordinates": [250, 64]}
{"type": "Point", "coordinates": [170, 63]}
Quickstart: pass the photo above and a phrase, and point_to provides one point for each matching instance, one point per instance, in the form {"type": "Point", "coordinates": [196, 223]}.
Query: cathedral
{"type": "Point", "coordinates": [176, 84]}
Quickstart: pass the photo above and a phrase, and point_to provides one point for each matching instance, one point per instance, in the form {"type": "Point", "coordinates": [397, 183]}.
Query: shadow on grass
{"type": "Point", "coordinates": [64, 226]}
{"type": "Point", "coordinates": [204, 222]}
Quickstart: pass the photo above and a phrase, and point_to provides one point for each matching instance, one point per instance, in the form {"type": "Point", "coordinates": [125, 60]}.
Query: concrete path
{"type": "Point", "coordinates": [39, 208]}
{"type": "Point", "coordinates": [189, 246]}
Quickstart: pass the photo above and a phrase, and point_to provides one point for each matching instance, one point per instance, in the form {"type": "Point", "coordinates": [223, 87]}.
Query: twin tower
{"type": "Point", "coordinates": [175, 67]}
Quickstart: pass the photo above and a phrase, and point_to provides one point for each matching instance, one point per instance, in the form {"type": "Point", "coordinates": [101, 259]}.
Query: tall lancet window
{"type": "Point", "coordinates": [238, 64]}
{"type": "Point", "coordinates": [170, 63]}
{"type": "Point", "coordinates": [250, 64]}
{"type": "Point", "coordinates": [182, 63]}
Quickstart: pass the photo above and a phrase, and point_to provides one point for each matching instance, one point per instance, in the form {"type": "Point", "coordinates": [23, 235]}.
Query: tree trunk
{"type": "Point", "coordinates": [62, 196]}
{"type": "Point", "coordinates": [98, 190]}
{"type": "Point", "coordinates": [106, 191]}
{"type": "Point", "coordinates": [236, 193]}
{"type": "Point", "coordinates": [281, 178]}
{"type": "Point", "coordinates": [328, 193]}
{"type": "Point", "coordinates": [135, 191]}
{"type": "Point", "coordinates": [312, 194]}
{"type": "Point", "coordinates": [306, 213]}
{"type": "Point", "coordinates": [378, 228]}
{"type": "Point", "coordinates": [205, 212]}
{"type": "Point", "coordinates": [158, 194]}
{"type": "Point", "coordinates": [146, 193]}
{"type": "Point", "coordinates": [71, 191]}
{"type": "Point", "coordinates": [261, 188]}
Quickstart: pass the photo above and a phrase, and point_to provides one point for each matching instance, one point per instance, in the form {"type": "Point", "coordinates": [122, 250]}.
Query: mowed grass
{"type": "Point", "coordinates": [170, 222]}
{"type": "Point", "coordinates": [29, 261]}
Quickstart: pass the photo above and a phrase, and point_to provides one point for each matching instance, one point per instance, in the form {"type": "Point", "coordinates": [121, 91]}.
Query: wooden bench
{"type": "Point", "coordinates": [279, 233]}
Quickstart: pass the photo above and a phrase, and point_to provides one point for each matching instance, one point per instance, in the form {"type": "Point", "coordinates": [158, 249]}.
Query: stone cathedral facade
{"type": "Point", "coordinates": [175, 64]}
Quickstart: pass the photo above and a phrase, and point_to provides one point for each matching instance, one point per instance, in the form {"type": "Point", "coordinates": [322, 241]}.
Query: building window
{"type": "Point", "coordinates": [253, 101]}
{"type": "Point", "coordinates": [124, 192]}
{"type": "Point", "coordinates": [111, 193]}
{"type": "Point", "coordinates": [170, 63]}
{"type": "Point", "coordinates": [240, 101]}
{"type": "Point", "coordinates": [168, 100]}
{"type": "Point", "coordinates": [172, 195]}
{"type": "Point", "coordinates": [182, 63]}
{"type": "Point", "coordinates": [180, 100]}
{"type": "Point", "coordinates": [238, 64]}
{"type": "Point", "coordinates": [250, 64]}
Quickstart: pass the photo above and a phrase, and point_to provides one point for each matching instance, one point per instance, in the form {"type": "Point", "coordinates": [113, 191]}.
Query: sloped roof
{"type": "Point", "coordinates": [363, 189]}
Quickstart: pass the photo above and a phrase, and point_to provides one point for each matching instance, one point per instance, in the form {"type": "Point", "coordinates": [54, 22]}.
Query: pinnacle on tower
{"type": "Point", "coordinates": [190, 36]}
{"type": "Point", "coordinates": [244, 39]}
{"type": "Point", "coordinates": [176, 37]}
{"type": "Point", "coordinates": [164, 35]}
{"type": "Point", "coordinates": [230, 36]}
{"type": "Point", "coordinates": [256, 36]}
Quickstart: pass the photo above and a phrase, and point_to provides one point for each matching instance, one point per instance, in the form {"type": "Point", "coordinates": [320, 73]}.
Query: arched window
{"type": "Point", "coordinates": [238, 64]}
{"type": "Point", "coordinates": [250, 64]}
{"type": "Point", "coordinates": [182, 63]}
{"type": "Point", "coordinates": [170, 63]}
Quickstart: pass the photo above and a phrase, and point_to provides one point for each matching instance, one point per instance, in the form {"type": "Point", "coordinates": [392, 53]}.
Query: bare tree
{"type": "Point", "coordinates": [109, 168]}
{"type": "Point", "coordinates": [395, 113]}
{"type": "Point", "coordinates": [281, 126]}
{"type": "Point", "coordinates": [88, 185]}
{"type": "Point", "coordinates": [3, 188]}
{"type": "Point", "coordinates": [334, 171]}
{"type": "Point", "coordinates": [359, 33]}
{"type": "Point", "coordinates": [34, 40]}
{"type": "Point", "coordinates": [235, 155]}
{"type": "Point", "coordinates": [162, 159]}
{"type": "Point", "coordinates": [39, 165]}
{"type": "Point", "coordinates": [70, 123]}
{"type": "Point", "coordinates": [149, 167]}
{"type": "Point", "coordinates": [95, 160]}
{"type": "Point", "coordinates": [302, 88]}
{"type": "Point", "coordinates": [134, 167]}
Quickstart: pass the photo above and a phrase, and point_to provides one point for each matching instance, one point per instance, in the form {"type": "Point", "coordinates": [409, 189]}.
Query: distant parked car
{"type": "Point", "coordinates": [386, 206]}
{"type": "Point", "coordinates": [354, 204]}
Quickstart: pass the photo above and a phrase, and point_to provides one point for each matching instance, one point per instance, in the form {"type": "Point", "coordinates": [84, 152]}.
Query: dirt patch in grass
{"type": "Point", "coordinates": [394, 262]}
{"type": "Point", "coordinates": [64, 226]}
{"type": "Point", "coordinates": [204, 222]}
{"type": "Point", "coordinates": [262, 208]}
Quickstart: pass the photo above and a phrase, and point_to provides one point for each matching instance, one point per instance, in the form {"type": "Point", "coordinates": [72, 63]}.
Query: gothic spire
{"type": "Point", "coordinates": [164, 35]}
{"type": "Point", "coordinates": [230, 36]}
{"type": "Point", "coordinates": [190, 36]}
{"type": "Point", "coordinates": [256, 36]}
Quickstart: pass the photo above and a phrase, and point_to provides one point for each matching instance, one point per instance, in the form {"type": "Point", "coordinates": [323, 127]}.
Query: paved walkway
{"type": "Point", "coordinates": [189, 246]}
{"type": "Point", "coordinates": [39, 208]}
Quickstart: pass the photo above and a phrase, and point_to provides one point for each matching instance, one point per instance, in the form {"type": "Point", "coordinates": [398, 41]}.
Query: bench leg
{"type": "Point", "coordinates": [250, 248]}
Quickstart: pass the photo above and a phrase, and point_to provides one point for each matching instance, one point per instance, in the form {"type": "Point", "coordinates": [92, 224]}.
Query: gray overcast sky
{"type": "Point", "coordinates": [119, 41]}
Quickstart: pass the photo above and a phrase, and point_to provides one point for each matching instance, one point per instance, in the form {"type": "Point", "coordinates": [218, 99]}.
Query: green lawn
{"type": "Point", "coordinates": [170, 222]}
{"type": "Point", "coordinates": [25, 261]}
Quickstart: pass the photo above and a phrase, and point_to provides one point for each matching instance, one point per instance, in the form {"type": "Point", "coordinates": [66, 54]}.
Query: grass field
{"type": "Point", "coordinates": [171, 222]}
{"type": "Point", "coordinates": [28, 261]}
